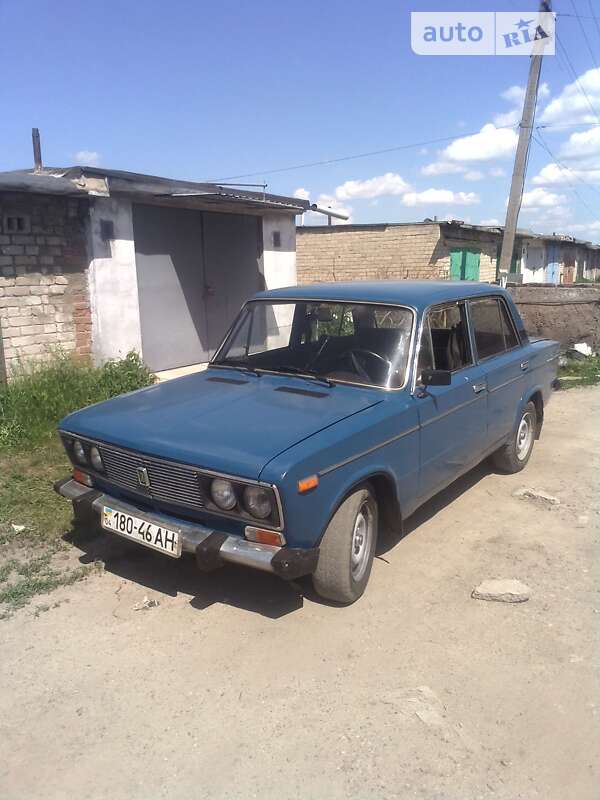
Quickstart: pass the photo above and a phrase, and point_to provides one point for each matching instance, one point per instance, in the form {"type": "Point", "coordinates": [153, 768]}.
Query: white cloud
{"type": "Point", "coordinates": [583, 145]}
{"type": "Point", "coordinates": [571, 104]}
{"type": "Point", "coordinates": [87, 158]}
{"type": "Point", "coordinates": [590, 230]}
{"type": "Point", "coordinates": [491, 142]}
{"type": "Point", "coordinates": [442, 168]}
{"type": "Point", "coordinates": [538, 198]}
{"type": "Point", "coordinates": [381, 185]}
{"type": "Point", "coordinates": [439, 196]}
{"type": "Point", "coordinates": [302, 194]}
{"type": "Point", "coordinates": [515, 95]}
{"type": "Point", "coordinates": [473, 175]}
{"type": "Point", "coordinates": [497, 172]}
{"type": "Point", "coordinates": [553, 174]}
{"type": "Point", "coordinates": [492, 222]}
{"type": "Point", "coordinates": [550, 218]}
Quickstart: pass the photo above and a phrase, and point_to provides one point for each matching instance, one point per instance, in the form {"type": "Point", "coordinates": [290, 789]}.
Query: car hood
{"type": "Point", "coordinates": [223, 420]}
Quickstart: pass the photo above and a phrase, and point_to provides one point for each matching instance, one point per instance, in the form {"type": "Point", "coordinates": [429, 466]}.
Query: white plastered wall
{"type": "Point", "coordinates": [113, 284]}
{"type": "Point", "coordinates": [279, 265]}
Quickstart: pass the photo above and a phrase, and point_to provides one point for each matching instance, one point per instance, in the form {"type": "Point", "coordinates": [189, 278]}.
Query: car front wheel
{"type": "Point", "coordinates": [515, 454]}
{"type": "Point", "coordinates": [347, 548]}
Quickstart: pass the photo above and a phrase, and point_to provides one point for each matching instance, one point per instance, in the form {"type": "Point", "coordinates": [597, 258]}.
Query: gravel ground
{"type": "Point", "coordinates": [237, 685]}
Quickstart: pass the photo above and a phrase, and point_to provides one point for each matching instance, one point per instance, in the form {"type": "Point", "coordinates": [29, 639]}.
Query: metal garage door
{"type": "Point", "coordinates": [194, 270]}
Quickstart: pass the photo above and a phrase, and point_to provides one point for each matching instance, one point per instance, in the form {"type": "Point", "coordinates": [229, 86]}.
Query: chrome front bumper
{"type": "Point", "coordinates": [211, 547]}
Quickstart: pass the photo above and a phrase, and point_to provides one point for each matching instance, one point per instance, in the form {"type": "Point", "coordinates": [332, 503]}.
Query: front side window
{"type": "Point", "coordinates": [491, 327]}
{"type": "Point", "coordinates": [349, 342]}
{"type": "Point", "coordinates": [445, 340]}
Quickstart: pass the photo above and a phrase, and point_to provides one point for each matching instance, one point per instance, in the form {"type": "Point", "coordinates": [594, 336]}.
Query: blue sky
{"type": "Point", "coordinates": [204, 90]}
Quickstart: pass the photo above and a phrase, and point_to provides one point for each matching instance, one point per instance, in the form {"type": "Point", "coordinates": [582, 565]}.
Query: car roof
{"type": "Point", "coordinates": [418, 294]}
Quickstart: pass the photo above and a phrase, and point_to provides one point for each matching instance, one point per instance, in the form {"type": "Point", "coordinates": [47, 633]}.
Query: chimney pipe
{"type": "Point", "coordinates": [37, 149]}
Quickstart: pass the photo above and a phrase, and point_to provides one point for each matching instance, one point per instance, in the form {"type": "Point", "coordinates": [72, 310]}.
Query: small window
{"type": "Point", "coordinates": [492, 328]}
{"type": "Point", "coordinates": [276, 238]}
{"type": "Point", "coordinates": [448, 347]}
{"type": "Point", "coordinates": [17, 223]}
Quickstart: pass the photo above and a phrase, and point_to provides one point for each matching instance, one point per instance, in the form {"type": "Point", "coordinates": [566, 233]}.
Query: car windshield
{"type": "Point", "coordinates": [350, 342]}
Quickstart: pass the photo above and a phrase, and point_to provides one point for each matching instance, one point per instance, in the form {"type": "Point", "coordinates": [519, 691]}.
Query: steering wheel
{"type": "Point", "coordinates": [358, 367]}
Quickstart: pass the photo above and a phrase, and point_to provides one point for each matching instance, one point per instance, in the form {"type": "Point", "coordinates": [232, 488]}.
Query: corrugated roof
{"type": "Point", "coordinates": [80, 180]}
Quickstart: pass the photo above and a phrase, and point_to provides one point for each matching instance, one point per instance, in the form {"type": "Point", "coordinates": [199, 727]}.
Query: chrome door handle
{"type": "Point", "coordinates": [524, 364]}
{"type": "Point", "coordinates": [479, 387]}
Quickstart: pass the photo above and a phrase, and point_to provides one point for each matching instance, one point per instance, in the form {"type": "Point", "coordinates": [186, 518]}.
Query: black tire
{"type": "Point", "coordinates": [512, 457]}
{"type": "Point", "coordinates": [337, 576]}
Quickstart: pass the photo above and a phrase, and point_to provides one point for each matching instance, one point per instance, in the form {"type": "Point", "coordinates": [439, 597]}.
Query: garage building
{"type": "Point", "coordinates": [103, 262]}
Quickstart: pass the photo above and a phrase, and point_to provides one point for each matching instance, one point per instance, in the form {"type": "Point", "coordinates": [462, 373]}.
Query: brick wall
{"type": "Point", "coordinates": [373, 252]}
{"type": "Point", "coordinates": [44, 301]}
{"type": "Point", "coordinates": [380, 252]}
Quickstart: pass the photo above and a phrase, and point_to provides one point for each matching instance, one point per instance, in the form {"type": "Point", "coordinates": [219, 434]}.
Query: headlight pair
{"type": "Point", "coordinates": [257, 500]}
{"type": "Point", "coordinates": [86, 454]}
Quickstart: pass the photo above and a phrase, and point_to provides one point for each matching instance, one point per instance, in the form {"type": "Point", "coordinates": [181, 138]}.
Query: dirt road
{"type": "Point", "coordinates": [238, 686]}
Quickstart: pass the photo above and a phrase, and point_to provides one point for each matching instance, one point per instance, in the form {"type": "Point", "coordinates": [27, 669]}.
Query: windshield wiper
{"type": "Point", "coordinates": [309, 374]}
{"type": "Point", "coordinates": [237, 363]}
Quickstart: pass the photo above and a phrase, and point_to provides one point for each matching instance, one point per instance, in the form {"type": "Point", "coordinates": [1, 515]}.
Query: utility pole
{"type": "Point", "coordinates": [518, 176]}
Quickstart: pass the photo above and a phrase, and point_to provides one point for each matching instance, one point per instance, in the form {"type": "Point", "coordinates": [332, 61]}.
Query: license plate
{"type": "Point", "coordinates": [149, 534]}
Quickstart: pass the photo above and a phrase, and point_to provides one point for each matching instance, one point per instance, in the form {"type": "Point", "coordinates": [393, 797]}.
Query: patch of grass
{"type": "Point", "coordinates": [27, 497]}
{"type": "Point", "coordinates": [33, 519]}
{"type": "Point", "coordinates": [39, 396]}
{"type": "Point", "coordinates": [580, 373]}
{"type": "Point", "coordinates": [36, 577]}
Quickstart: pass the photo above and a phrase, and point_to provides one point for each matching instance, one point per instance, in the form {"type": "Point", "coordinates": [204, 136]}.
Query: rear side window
{"type": "Point", "coordinates": [492, 328]}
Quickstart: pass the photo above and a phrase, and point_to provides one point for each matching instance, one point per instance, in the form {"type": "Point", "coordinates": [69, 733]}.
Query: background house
{"type": "Point", "coordinates": [443, 250]}
{"type": "Point", "coordinates": [422, 250]}
{"type": "Point", "coordinates": [102, 262]}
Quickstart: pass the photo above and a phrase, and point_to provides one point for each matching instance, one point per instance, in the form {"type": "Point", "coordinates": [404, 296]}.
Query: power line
{"type": "Point", "coordinates": [585, 36]}
{"type": "Point", "coordinates": [339, 159]}
{"type": "Point", "coordinates": [574, 74]}
{"type": "Point", "coordinates": [540, 141]}
{"type": "Point", "coordinates": [396, 148]}
{"type": "Point", "coordinates": [594, 17]}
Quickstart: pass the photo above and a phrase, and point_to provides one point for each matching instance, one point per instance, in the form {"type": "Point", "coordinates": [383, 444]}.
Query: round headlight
{"type": "Point", "coordinates": [96, 459]}
{"type": "Point", "coordinates": [223, 494]}
{"type": "Point", "coordinates": [258, 501]}
{"type": "Point", "coordinates": [79, 452]}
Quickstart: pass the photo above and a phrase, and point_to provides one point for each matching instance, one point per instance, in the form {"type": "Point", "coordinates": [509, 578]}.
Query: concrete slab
{"type": "Point", "coordinates": [179, 372]}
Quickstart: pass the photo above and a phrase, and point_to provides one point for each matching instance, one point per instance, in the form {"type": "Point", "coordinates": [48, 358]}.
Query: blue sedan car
{"type": "Point", "coordinates": [329, 413]}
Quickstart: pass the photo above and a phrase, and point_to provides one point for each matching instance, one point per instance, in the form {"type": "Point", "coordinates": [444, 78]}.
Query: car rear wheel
{"type": "Point", "coordinates": [347, 548]}
{"type": "Point", "coordinates": [514, 455]}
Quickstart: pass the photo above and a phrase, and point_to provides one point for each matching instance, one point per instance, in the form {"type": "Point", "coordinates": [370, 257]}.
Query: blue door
{"type": "Point", "coordinates": [552, 270]}
{"type": "Point", "coordinates": [452, 418]}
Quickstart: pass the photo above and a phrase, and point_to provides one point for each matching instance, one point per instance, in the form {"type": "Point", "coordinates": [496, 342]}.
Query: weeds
{"type": "Point", "coordinates": [580, 373]}
{"type": "Point", "coordinates": [33, 519]}
{"type": "Point", "coordinates": [39, 396]}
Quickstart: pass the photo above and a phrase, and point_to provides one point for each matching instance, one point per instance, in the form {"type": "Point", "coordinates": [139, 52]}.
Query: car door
{"type": "Point", "coordinates": [452, 418]}
{"type": "Point", "coordinates": [500, 355]}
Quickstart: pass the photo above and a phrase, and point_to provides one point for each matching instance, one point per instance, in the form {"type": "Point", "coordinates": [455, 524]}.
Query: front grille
{"type": "Point", "coordinates": [169, 482]}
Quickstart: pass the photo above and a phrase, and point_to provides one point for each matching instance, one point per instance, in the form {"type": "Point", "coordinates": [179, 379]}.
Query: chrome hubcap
{"type": "Point", "coordinates": [524, 436]}
{"type": "Point", "coordinates": [361, 542]}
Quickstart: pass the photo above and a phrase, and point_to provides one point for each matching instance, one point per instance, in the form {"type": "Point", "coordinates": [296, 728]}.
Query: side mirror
{"type": "Point", "coordinates": [436, 377]}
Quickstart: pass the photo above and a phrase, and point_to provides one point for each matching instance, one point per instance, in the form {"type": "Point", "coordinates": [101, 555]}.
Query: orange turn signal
{"type": "Point", "coordinates": [263, 536]}
{"type": "Point", "coordinates": [306, 484]}
{"type": "Point", "coordinates": [82, 477]}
